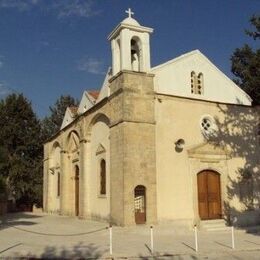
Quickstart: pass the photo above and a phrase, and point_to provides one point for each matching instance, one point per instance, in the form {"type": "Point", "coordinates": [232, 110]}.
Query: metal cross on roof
{"type": "Point", "coordinates": [129, 12]}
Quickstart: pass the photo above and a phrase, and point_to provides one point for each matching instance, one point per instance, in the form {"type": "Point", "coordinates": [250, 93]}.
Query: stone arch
{"type": "Point", "coordinates": [55, 154]}
{"type": "Point", "coordinates": [53, 178]}
{"type": "Point", "coordinates": [56, 144]}
{"type": "Point", "coordinates": [72, 142]}
{"type": "Point", "coordinates": [212, 169]}
{"type": "Point", "coordinates": [100, 117]}
{"type": "Point", "coordinates": [98, 132]}
{"type": "Point", "coordinates": [209, 168]}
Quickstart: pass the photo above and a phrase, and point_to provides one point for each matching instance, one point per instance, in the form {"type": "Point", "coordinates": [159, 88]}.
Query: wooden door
{"type": "Point", "coordinates": [140, 205]}
{"type": "Point", "coordinates": [209, 198]}
{"type": "Point", "coordinates": [76, 191]}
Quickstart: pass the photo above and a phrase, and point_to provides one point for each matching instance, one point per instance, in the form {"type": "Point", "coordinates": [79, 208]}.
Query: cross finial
{"type": "Point", "coordinates": [129, 12]}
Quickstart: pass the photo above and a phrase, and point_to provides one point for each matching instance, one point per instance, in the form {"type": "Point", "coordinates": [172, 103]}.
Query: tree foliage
{"type": "Point", "coordinates": [246, 64]}
{"type": "Point", "coordinates": [255, 21]}
{"type": "Point", "coordinates": [21, 141]}
{"type": "Point", "coordinates": [3, 186]}
{"type": "Point", "coordinates": [51, 124]}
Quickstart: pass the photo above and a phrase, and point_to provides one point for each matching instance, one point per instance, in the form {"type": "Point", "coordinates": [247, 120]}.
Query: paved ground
{"type": "Point", "coordinates": [45, 236]}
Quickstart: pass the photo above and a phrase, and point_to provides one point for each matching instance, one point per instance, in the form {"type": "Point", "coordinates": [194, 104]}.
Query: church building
{"type": "Point", "coordinates": [177, 142]}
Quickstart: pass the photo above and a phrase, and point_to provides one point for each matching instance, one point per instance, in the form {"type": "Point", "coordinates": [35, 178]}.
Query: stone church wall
{"type": "Point", "coordinates": [179, 118]}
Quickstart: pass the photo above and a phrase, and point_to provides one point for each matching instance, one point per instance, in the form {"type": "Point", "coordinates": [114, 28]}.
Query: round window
{"type": "Point", "coordinates": [208, 125]}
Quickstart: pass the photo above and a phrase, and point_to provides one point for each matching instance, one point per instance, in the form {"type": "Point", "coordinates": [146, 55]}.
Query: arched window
{"type": "Point", "coordinates": [102, 177]}
{"type": "Point", "coordinates": [117, 57]}
{"type": "Point", "coordinates": [193, 82]}
{"type": "Point", "coordinates": [197, 84]}
{"type": "Point", "coordinates": [135, 54]}
{"type": "Point", "coordinates": [200, 84]}
{"type": "Point", "coordinates": [58, 184]}
{"type": "Point", "coordinates": [140, 204]}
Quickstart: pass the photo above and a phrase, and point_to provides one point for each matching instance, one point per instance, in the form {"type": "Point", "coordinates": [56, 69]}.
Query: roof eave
{"type": "Point", "coordinates": [128, 26]}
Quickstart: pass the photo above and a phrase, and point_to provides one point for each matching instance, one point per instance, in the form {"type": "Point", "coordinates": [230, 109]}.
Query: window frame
{"type": "Point", "coordinates": [213, 127]}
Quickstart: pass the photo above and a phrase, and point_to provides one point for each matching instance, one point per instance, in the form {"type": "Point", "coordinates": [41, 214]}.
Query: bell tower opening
{"type": "Point", "coordinates": [135, 54]}
{"type": "Point", "coordinates": [117, 58]}
{"type": "Point", "coordinates": [130, 44]}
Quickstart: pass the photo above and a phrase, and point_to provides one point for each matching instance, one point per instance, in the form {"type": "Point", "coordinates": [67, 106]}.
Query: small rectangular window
{"type": "Point", "coordinates": [103, 177]}
{"type": "Point", "coordinates": [58, 184]}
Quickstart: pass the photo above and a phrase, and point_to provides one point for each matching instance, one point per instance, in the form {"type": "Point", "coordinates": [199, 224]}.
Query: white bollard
{"type": "Point", "coordinates": [151, 233]}
{"type": "Point", "coordinates": [232, 237]}
{"type": "Point", "coordinates": [196, 238]}
{"type": "Point", "coordinates": [110, 240]}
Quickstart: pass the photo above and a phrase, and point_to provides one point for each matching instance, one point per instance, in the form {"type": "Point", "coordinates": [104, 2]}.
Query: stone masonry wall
{"type": "Point", "coordinates": [132, 145]}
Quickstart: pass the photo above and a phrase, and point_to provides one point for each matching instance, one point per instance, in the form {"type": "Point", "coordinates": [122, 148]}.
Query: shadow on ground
{"type": "Point", "coordinates": [17, 219]}
{"type": "Point", "coordinates": [169, 256]}
{"type": "Point", "coordinates": [79, 251]}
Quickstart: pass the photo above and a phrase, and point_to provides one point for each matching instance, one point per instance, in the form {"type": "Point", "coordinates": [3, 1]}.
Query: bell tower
{"type": "Point", "coordinates": [132, 126]}
{"type": "Point", "coordinates": [130, 44]}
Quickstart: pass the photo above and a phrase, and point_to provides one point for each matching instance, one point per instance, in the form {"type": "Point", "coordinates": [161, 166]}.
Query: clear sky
{"type": "Point", "coordinates": [54, 47]}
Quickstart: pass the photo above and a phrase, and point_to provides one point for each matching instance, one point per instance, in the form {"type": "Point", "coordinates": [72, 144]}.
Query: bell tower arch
{"type": "Point", "coordinates": [130, 44]}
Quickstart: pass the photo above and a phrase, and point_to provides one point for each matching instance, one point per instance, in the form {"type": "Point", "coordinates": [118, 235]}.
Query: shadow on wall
{"type": "Point", "coordinates": [78, 251]}
{"type": "Point", "coordinates": [238, 133]}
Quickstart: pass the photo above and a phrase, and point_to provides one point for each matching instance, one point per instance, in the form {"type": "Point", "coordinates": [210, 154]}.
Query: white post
{"type": "Point", "coordinates": [196, 238]}
{"type": "Point", "coordinates": [151, 233]}
{"type": "Point", "coordinates": [232, 237]}
{"type": "Point", "coordinates": [110, 240]}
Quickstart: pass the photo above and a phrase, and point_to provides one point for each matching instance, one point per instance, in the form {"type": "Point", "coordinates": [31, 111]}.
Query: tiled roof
{"type": "Point", "coordinates": [93, 93]}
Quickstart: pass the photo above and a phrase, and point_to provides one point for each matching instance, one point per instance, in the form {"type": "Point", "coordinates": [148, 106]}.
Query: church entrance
{"type": "Point", "coordinates": [209, 198]}
{"type": "Point", "coordinates": [76, 190]}
{"type": "Point", "coordinates": [140, 205]}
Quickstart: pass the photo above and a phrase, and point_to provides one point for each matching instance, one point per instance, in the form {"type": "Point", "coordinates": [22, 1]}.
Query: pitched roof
{"type": "Point", "coordinates": [177, 59]}
{"type": "Point", "coordinates": [93, 93]}
{"type": "Point", "coordinates": [73, 110]}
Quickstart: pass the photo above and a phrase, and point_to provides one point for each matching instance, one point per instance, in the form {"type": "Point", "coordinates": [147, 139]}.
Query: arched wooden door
{"type": "Point", "coordinates": [209, 198]}
{"type": "Point", "coordinates": [140, 204]}
{"type": "Point", "coordinates": [76, 190]}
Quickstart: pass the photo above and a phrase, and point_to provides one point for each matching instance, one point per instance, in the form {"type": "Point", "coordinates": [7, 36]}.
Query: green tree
{"type": "Point", "coordinates": [255, 21]}
{"type": "Point", "coordinates": [246, 64]}
{"type": "Point", "coordinates": [3, 188]}
{"type": "Point", "coordinates": [20, 138]}
{"type": "Point", "coordinates": [52, 123]}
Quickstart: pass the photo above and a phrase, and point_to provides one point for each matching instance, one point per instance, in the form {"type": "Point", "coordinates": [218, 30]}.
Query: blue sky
{"type": "Point", "coordinates": [54, 47]}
